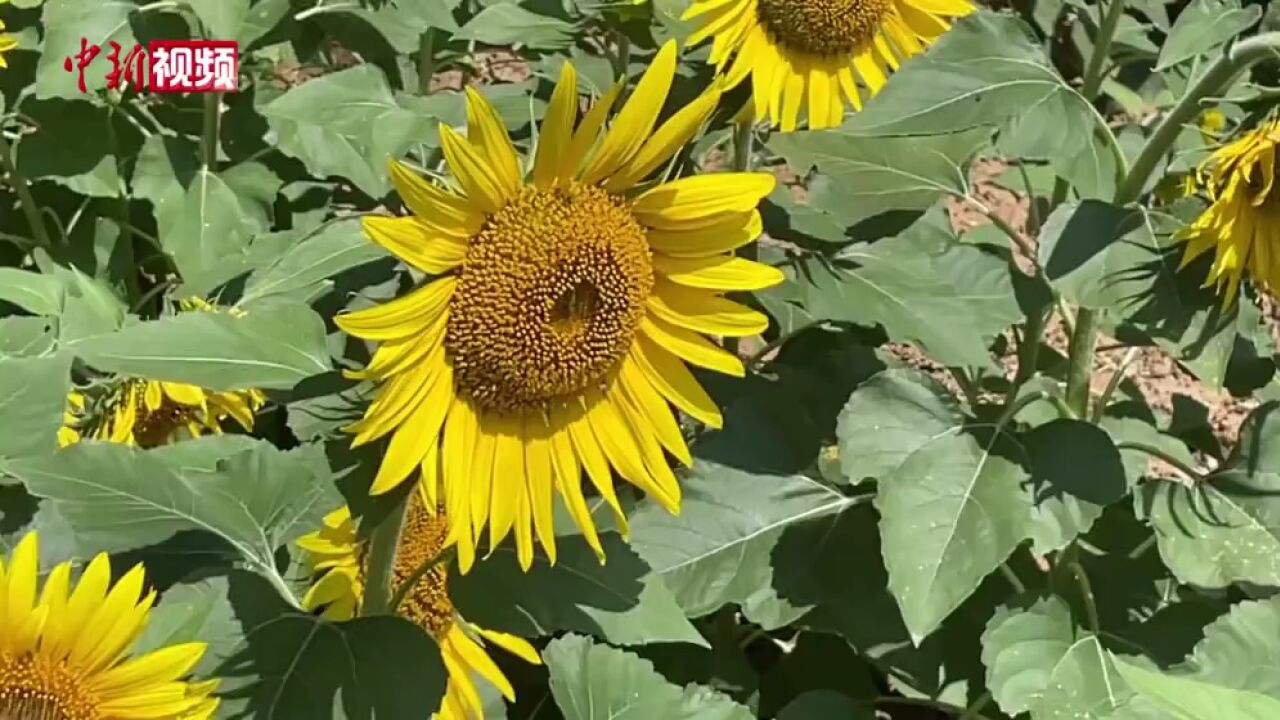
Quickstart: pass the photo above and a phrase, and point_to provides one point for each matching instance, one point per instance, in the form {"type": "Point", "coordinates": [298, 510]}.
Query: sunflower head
{"type": "Point", "coordinates": [1243, 217]}
{"type": "Point", "coordinates": [149, 413]}
{"type": "Point", "coordinates": [65, 649]}
{"type": "Point", "coordinates": [548, 344]}
{"type": "Point", "coordinates": [337, 557]}
{"type": "Point", "coordinates": [816, 56]}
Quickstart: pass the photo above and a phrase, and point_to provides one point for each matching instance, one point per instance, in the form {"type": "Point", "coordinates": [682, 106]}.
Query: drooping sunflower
{"type": "Point", "coordinates": [564, 307]}
{"type": "Point", "coordinates": [816, 56]}
{"type": "Point", "coordinates": [148, 413]}
{"type": "Point", "coordinates": [336, 556]}
{"type": "Point", "coordinates": [1242, 222]}
{"type": "Point", "coordinates": [64, 650]}
{"type": "Point", "coordinates": [7, 41]}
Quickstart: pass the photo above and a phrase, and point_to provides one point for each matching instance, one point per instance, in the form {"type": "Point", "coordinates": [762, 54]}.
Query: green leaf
{"type": "Point", "coordinates": [347, 124]}
{"type": "Point", "coordinates": [1021, 648]}
{"type": "Point", "coordinates": [826, 705]}
{"type": "Point", "coordinates": [34, 292]}
{"type": "Point", "coordinates": [221, 18]}
{"type": "Point", "coordinates": [950, 299]}
{"type": "Point", "coordinates": [889, 417]}
{"type": "Point", "coordinates": [950, 514]}
{"type": "Point", "coordinates": [66, 23]}
{"type": "Point", "coordinates": [864, 176]}
{"type": "Point", "coordinates": [117, 497]}
{"type": "Point", "coordinates": [508, 23]}
{"type": "Point", "coordinates": [1086, 249]}
{"type": "Point", "coordinates": [26, 336]}
{"type": "Point", "coordinates": [988, 69]}
{"type": "Point", "coordinates": [1076, 458]}
{"type": "Point", "coordinates": [197, 611]}
{"type": "Point", "coordinates": [614, 600]}
{"type": "Point", "coordinates": [306, 268]}
{"type": "Point", "coordinates": [728, 525]}
{"type": "Point", "coordinates": [208, 239]}
{"type": "Point", "coordinates": [597, 682]}
{"type": "Point", "coordinates": [33, 398]}
{"type": "Point", "coordinates": [1187, 699]}
{"type": "Point", "coordinates": [1202, 26]}
{"type": "Point", "coordinates": [77, 146]}
{"type": "Point", "coordinates": [1241, 649]}
{"type": "Point", "coordinates": [274, 346]}
{"type": "Point", "coordinates": [1083, 685]}
{"type": "Point", "coordinates": [294, 665]}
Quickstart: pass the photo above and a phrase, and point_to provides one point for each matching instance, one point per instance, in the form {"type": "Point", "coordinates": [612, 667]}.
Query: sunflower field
{"type": "Point", "coordinates": [639, 359]}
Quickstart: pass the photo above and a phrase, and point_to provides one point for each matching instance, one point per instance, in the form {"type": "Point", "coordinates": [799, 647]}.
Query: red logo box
{"type": "Point", "coordinates": [185, 66]}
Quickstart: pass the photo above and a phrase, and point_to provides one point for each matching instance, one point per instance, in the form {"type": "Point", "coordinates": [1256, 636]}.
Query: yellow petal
{"type": "Point", "coordinates": [443, 212]}
{"type": "Point", "coordinates": [702, 195]}
{"type": "Point", "coordinates": [487, 133]}
{"type": "Point", "coordinates": [483, 184]}
{"type": "Point", "coordinates": [653, 409]}
{"type": "Point", "coordinates": [517, 646]}
{"type": "Point", "coordinates": [668, 140]}
{"type": "Point", "coordinates": [675, 382]}
{"type": "Point", "coordinates": [730, 232]}
{"type": "Point", "coordinates": [411, 240]}
{"type": "Point", "coordinates": [724, 272]}
{"type": "Point", "coordinates": [557, 129]}
{"type": "Point", "coordinates": [409, 444]}
{"type": "Point", "coordinates": [402, 317]}
{"type": "Point", "coordinates": [635, 121]}
{"type": "Point", "coordinates": [703, 311]}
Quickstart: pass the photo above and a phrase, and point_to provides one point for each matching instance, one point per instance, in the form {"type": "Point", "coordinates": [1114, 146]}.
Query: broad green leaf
{"type": "Point", "coordinates": [597, 682]}
{"type": "Point", "coordinates": [1083, 685]}
{"type": "Point", "coordinates": [1087, 248]}
{"type": "Point", "coordinates": [68, 22]}
{"type": "Point", "coordinates": [508, 23]}
{"type": "Point", "coordinates": [1077, 458]}
{"type": "Point", "coordinates": [950, 514]}
{"type": "Point", "coordinates": [33, 398]}
{"type": "Point", "coordinates": [1241, 649]}
{"type": "Point", "coordinates": [274, 346]}
{"type": "Point", "coordinates": [950, 299]}
{"type": "Point", "coordinates": [116, 497]}
{"type": "Point", "coordinates": [77, 146]}
{"type": "Point", "coordinates": [889, 417]}
{"type": "Point", "coordinates": [306, 267]}
{"type": "Point", "coordinates": [1202, 26]}
{"type": "Point", "coordinates": [347, 124]}
{"type": "Point", "coordinates": [864, 176]}
{"type": "Point", "coordinates": [718, 550]}
{"type": "Point", "coordinates": [221, 18]}
{"type": "Point", "coordinates": [294, 665]}
{"type": "Point", "coordinates": [1021, 648]}
{"type": "Point", "coordinates": [197, 611]}
{"type": "Point", "coordinates": [208, 238]}
{"type": "Point", "coordinates": [986, 70]}
{"type": "Point", "coordinates": [1186, 699]}
{"type": "Point", "coordinates": [24, 335]}
{"type": "Point", "coordinates": [34, 292]}
{"type": "Point", "coordinates": [826, 705]}
{"type": "Point", "coordinates": [91, 308]}
{"type": "Point", "coordinates": [614, 600]}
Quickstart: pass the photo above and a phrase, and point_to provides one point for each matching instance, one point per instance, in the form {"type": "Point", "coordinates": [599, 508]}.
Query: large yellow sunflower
{"type": "Point", "coordinates": [337, 558]}
{"type": "Point", "coordinates": [65, 654]}
{"type": "Point", "coordinates": [1242, 223]}
{"type": "Point", "coordinates": [564, 309]}
{"type": "Point", "coordinates": [814, 55]}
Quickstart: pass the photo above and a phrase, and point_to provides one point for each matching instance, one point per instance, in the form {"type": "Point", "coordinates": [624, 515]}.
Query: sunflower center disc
{"type": "Point", "coordinates": [427, 604]}
{"type": "Point", "coordinates": [31, 691]}
{"type": "Point", "coordinates": [153, 427]}
{"type": "Point", "coordinates": [823, 27]}
{"type": "Point", "coordinates": [548, 297]}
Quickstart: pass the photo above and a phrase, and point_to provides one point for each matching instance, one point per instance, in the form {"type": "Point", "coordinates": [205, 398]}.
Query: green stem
{"type": "Point", "coordinates": [407, 586]}
{"type": "Point", "coordinates": [1029, 350]}
{"type": "Point", "coordinates": [25, 199]}
{"type": "Point", "coordinates": [1014, 581]}
{"type": "Point", "coordinates": [1033, 397]}
{"type": "Point", "coordinates": [209, 132]}
{"type": "Point", "coordinates": [383, 543]}
{"type": "Point", "coordinates": [975, 708]}
{"type": "Point", "coordinates": [1084, 339]}
{"type": "Point", "coordinates": [1239, 58]}
{"type": "Point", "coordinates": [1116, 378]}
{"type": "Point", "coordinates": [426, 61]}
{"type": "Point", "coordinates": [1086, 592]}
{"type": "Point", "coordinates": [1093, 74]}
{"type": "Point", "coordinates": [1156, 452]}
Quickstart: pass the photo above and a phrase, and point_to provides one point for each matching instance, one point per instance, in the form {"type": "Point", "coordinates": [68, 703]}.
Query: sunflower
{"type": "Point", "coordinates": [65, 654]}
{"type": "Point", "coordinates": [7, 41]}
{"type": "Point", "coordinates": [563, 307]}
{"type": "Point", "coordinates": [149, 413]}
{"type": "Point", "coordinates": [1242, 222]}
{"type": "Point", "coordinates": [336, 557]}
{"type": "Point", "coordinates": [811, 54]}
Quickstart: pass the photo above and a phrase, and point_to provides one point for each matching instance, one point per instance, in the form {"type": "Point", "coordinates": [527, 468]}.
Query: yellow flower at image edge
{"type": "Point", "coordinates": [814, 55]}
{"type": "Point", "coordinates": [7, 42]}
{"type": "Point", "coordinates": [1242, 223]}
{"type": "Point", "coordinates": [337, 557]}
{"type": "Point", "coordinates": [566, 307]}
{"type": "Point", "coordinates": [64, 650]}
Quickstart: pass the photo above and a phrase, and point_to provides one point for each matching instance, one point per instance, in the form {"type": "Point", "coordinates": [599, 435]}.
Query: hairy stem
{"type": "Point", "coordinates": [383, 543]}
{"type": "Point", "coordinates": [426, 61]}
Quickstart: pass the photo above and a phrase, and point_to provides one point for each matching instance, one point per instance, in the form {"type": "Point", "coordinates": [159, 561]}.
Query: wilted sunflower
{"type": "Point", "coordinates": [65, 655]}
{"type": "Point", "coordinates": [337, 557]}
{"type": "Point", "coordinates": [7, 41]}
{"type": "Point", "coordinates": [567, 308]}
{"type": "Point", "coordinates": [809, 55]}
{"type": "Point", "coordinates": [1242, 223]}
